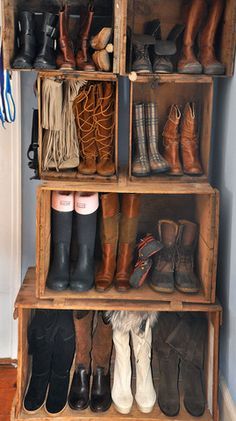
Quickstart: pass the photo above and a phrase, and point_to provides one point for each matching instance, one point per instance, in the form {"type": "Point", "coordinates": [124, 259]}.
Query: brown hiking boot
{"type": "Point", "coordinates": [105, 125]}
{"type": "Point", "coordinates": [83, 59]}
{"type": "Point", "coordinates": [185, 278]}
{"type": "Point", "coordinates": [171, 140]}
{"type": "Point", "coordinates": [109, 240]}
{"type": "Point", "coordinates": [83, 107]}
{"type": "Point", "coordinates": [189, 141]}
{"type": "Point", "coordinates": [65, 59]}
{"type": "Point", "coordinates": [162, 278]}
{"type": "Point", "coordinates": [127, 239]}
{"type": "Point", "coordinates": [188, 62]}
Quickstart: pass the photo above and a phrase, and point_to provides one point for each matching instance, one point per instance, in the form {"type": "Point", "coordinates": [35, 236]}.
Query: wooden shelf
{"type": "Point", "coordinates": [77, 74]}
{"type": "Point", "coordinates": [169, 78]}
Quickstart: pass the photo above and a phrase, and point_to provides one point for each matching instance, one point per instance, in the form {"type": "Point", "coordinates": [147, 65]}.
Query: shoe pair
{"type": "Point", "coordinates": [173, 266]}
{"type": "Point", "coordinates": [100, 43]}
{"type": "Point", "coordinates": [146, 156]}
{"type": "Point", "coordinates": [100, 397]}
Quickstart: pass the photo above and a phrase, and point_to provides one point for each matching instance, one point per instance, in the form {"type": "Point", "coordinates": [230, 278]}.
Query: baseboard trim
{"type": "Point", "coordinates": [227, 405]}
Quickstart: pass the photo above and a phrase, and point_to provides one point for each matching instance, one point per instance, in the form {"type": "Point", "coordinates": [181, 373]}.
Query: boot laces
{"type": "Point", "coordinates": [103, 115]}
{"type": "Point", "coordinates": [142, 52]}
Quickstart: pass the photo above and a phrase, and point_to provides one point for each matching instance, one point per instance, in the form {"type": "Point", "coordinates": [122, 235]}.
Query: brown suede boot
{"type": "Point", "coordinates": [65, 59]}
{"type": "Point", "coordinates": [84, 106]}
{"type": "Point", "coordinates": [109, 240]}
{"type": "Point", "coordinates": [171, 140]}
{"type": "Point", "coordinates": [189, 141]}
{"type": "Point", "coordinates": [185, 278]}
{"type": "Point", "coordinates": [188, 62]}
{"type": "Point", "coordinates": [104, 118]}
{"type": "Point", "coordinates": [211, 65]}
{"type": "Point", "coordinates": [83, 60]}
{"type": "Point", "coordinates": [127, 239]}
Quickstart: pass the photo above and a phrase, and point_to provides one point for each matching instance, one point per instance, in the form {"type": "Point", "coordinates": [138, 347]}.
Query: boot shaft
{"type": "Point", "coordinates": [104, 118]}
{"type": "Point", "coordinates": [186, 244]}
{"type": "Point", "coordinates": [189, 141]}
{"type": "Point", "coordinates": [165, 259]}
{"type": "Point", "coordinates": [214, 14]}
{"type": "Point", "coordinates": [194, 17]}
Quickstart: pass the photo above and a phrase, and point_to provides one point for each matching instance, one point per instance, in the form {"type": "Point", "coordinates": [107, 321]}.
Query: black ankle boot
{"type": "Point", "coordinates": [26, 40]}
{"type": "Point", "coordinates": [84, 224]}
{"type": "Point", "coordinates": [41, 333]}
{"type": "Point", "coordinates": [101, 391]}
{"type": "Point", "coordinates": [79, 393]}
{"type": "Point", "coordinates": [46, 58]}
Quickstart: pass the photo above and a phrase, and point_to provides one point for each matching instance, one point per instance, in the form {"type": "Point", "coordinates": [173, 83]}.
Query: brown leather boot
{"type": "Point", "coordinates": [171, 142]}
{"type": "Point", "coordinates": [162, 278]}
{"type": "Point", "coordinates": [105, 125]}
{"type": "Point", "coordinates": [189, 141]}
{"type": "Point", "coordinates": [84, 106]}
{"type": "Point", "coordinates": [211, 65]}
{"type": "Point", "coordinates": [65, 59]}
{"type": "Point", "coordinates": [109, 240]}
{"type": "Point", "coordinates": [83, 60]}
{"type": "Point", "coordinates": [127, 240]}
{"type": "Point", "coordinates": [185, 278]}
{"type": "Point", "coordinates": [188, 62]}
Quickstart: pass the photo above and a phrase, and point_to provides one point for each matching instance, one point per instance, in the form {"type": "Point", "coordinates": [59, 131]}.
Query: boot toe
{"type": "Point", "coordinates": [162, 282]}
{"type": "Point", "coordinates": [170, 408]}
{"type": "Point", "coordinates": [187, 282]}
{"type": "Point", "coordinates": [22, 62]}
{"type": "Point", "coordinates": [195, 68]}
{"type": "Point", "coordinates": [194, 408]}
{"type": "Point", "coordinates": [42, 63]}
{"type": "Point", "coordinates": [78, 403]}
{"type": "Point", "coordinates": [57, 284]}
{"type": "Point", "coordinates": [100, 403]}
{"type": "Point", "coordinates": [216, 68]}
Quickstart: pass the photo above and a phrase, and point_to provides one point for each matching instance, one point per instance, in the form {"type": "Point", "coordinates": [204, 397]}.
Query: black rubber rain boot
{"type": "Point", "coordinates": [46, 58]}
{"type": "Point", "coordinates": [63, 354]}
{"type": "Point", "coordinates": [61, 228]}
{"type": "Point", "coordinates": [84, 223]}
{"type": "Point", "coordinates": [26, 41]}
{"type": "Point", "coordinates": [41, 333]}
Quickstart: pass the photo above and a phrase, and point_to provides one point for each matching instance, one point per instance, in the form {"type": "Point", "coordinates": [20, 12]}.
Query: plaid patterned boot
{"type": "Point", "coordinates": [157, 163]}
{"type": "Point", "coordinates": [140, 164]}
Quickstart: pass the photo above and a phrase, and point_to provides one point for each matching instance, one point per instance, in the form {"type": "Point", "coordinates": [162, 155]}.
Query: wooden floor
{"type": "Point", "coordinates": [7, 390]}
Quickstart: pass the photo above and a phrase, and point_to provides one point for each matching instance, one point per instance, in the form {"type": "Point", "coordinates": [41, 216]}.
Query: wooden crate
{"type": "Point", "coordinates": [107, 13]}
{"type": "Point", "coordinates": [175, 89]}
{"type": "Point", "coordinates": [73, 175]}
{"type": "Point", "coordinates": [26, 303]}
{"type": "Point", "coordinates": [202, 208]}
{"type": "Point", "coordinates": [171, 12]}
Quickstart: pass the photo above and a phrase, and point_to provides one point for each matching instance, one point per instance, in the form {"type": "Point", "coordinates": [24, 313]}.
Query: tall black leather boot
{"type": "Point", "coordinates": [61, 228]}
{"type": "Point", "coordinates": [84, 223]}
{"type": "Point", "coordinates": [26, 40]}
{"type": "Point", "coordinates": [46, 58]}
{"type": "Point", "coordinates": [63, 353]}
{"type": "Point", "coordinates": [41, 333]}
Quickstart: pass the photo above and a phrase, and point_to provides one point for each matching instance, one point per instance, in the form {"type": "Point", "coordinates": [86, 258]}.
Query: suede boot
{"type": "Point", "coordinates": [27, 43]}
{"type": "Point", "coordinates": [63, 353]}
{"type": "Point", "coordinates": [46, 55]}
{"type": "Point", "coordinates": [100, 40]}
{"type": "Point", "coordinates": [41, 334]}
{"type": "Point", "coordinates": [185, 278]}
{"type": "Point", "coordinates": [61, 228]}
{"type": "Point", "coordinates": [188, 62]}
{"type": "Point", "coordinates": [102, 60]}
{"type": "Point", "coordinates": [109, 240]}
{"type": "Point", "coordinates": [168, 359]}
{"type": "Point", "coordinates": [65, 59]}
{"type": "Point", "coordinates": [127, 239]}
{"type": "Point", "coordinates": [83, 59]}
{"type": "Point", "coordinates": [84, 223]}
{"type": "Point", "coordinates": [171, 141]}
{"type": "Point", "coordinates": [105, 125]}
{"type": "Point", "coordinates": [189, 141]}
{"type": "Point", "coordinates": [79, 393]}
{"type": "Point", "coordinates": [162, 278]}
{"type": "Point", "coordinates": [211, 66]}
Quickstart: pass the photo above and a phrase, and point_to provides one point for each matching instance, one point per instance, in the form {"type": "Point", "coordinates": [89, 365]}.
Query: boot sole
{"type": "Point", "coordinates": [145, 410]}
{"type": "Point", "coordinates": [123, 411]}
{"type": "Point", "coordinates": [188, 290]}
{"type": "Point", "coordinates": [103, 290]}
{"type": "Point", "coordinates": [141, 175]}
{"type": "Point", "coordinates": [52, 414]}
{"type": "Point", "coordinates": [159, 289]}
{"type": "Point", "coordinates": [160, 171]}
{"type": "Point", "coordinates": [168, 415]}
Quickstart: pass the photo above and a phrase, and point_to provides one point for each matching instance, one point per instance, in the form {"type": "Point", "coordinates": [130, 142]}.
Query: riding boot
{"type": "Point", "coordinates": [46, 55]}
{"type": "Point", "coordinates": [171, 141]}
{"type": "Point", "coordinates": [27, 42]}
{"type": "Point", "coordinates": [65, 59]}
{"type": "Point", "coordinates": [83, 59]}
{"type": "Point", "coordinates": [84, 223]}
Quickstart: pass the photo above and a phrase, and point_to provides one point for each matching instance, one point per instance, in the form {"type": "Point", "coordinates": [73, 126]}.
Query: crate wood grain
{"type": "Point", "coordinates": [26, 302]}
{"type": "Point", "coordinates": [167, 91]}
{"type": "Point", "coordinates": [109, 10]}
{"type": "Point", "coordinates": [200, 208]}
{"type": "Point", "coordinates": [170, 12]}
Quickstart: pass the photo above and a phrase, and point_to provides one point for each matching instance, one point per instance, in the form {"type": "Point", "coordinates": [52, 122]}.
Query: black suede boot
{"type": "Point", "coordinates": [46, 58]}
{"type": "Point", "coordinates": [101, 391]}
{"type": "Point", "coordinates": [61, 228]}
{"type": "Point", "coordinates": [41, 334]}
{"type": "Point", "coordinates": [26, 40]}
{"type": "Point", "coordinates": [84, 223]}
{"type": "Point", "coordinates": [63, 353]}
{"type": "Point", "coordinates": [79, 393]}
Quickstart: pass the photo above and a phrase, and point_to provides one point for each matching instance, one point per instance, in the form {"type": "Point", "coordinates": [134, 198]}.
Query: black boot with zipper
{"type": "Point", "coordinates": [46, 58]}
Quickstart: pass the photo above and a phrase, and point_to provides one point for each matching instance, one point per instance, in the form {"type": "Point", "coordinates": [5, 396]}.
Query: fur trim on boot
{"type": "Point", "coordinates": [124, 321]}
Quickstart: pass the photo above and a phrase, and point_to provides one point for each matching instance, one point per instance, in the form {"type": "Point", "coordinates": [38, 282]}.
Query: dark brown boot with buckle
{"type": "Point", "coordinates": [65, 59]}
{"type": "Point", "coordinates": [127, 239]}
{"type": "Point", "coordinates": [185, 278]}
{"type": "Point", "coordinates": [171, 141]}
{"type": "Point", "coordinates": [162, 278]}
{"type": "Point", "coordinates": [109, 239]}
{"type": "Point", "coordinates": [189, 141]}
{"type": "Point", "coordinates": [83, 59]}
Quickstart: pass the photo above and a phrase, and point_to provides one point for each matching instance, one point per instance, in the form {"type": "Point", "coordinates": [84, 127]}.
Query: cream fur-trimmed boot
{"type": "Point", "coordinates": [121, 391]}
{"type": "Point", "coordinates": [145, 395]}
